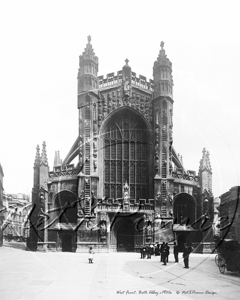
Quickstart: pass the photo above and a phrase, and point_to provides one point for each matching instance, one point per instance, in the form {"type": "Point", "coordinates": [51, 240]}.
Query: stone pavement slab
{"type": "Point", "coordinates": [56, 275]}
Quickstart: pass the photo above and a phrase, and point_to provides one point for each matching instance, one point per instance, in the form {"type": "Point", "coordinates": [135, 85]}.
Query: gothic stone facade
{"type": "Point", "coordinates": [129, 186]}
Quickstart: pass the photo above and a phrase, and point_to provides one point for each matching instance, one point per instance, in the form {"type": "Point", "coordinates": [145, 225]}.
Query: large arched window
{"type": "Point", "coordinates": [184, 209]}
{"type": "Point", "coordinates": [125, 155]}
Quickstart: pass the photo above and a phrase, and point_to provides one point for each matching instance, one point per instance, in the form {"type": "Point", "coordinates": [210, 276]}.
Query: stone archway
{"type": "Point", "coordinates": [66, 215]}
{"type": "Point", "coordinates": [66, 242]}
{"type": "Point", "coordinates": [184, 209]}
{"type": "Point", "coordinates": [125, 235]}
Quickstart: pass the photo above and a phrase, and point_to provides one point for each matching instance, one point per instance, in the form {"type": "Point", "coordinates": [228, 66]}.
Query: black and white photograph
{"type": "Point", "coordinates": [119, 150]}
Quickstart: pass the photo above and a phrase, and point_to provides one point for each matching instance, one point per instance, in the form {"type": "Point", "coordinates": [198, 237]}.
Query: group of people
{"type": "Point", "coordinates": [164, 250]}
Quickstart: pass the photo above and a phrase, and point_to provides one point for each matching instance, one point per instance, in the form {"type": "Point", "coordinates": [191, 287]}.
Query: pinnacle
{"type": "Point", "coordinates": [57, 160]}
{"type": "Point", "coordinates": [37, 157]}
{"type": "Point", "coordinates": [205, 161]}
{"type": "Point", "coordinates": [44, 159]}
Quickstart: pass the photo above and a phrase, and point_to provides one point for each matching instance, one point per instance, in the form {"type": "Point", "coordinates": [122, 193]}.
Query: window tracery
{"type": "Point", "coordinates": [125, 156]}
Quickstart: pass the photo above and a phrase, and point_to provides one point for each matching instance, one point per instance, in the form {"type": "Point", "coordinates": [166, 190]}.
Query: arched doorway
{"type": "Point", "coordinates": [184, 209]}
{"type": "Point", "coordinates": [66, 215]}
{"type": "Point", "coordinates": [125, 236]}
{"type": "Point", "coordinates": [66, 242]}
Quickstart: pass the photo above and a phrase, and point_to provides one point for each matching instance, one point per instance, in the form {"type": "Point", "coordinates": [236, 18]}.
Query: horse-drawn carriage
{"type": "Point", "coordinates": [228, 256]}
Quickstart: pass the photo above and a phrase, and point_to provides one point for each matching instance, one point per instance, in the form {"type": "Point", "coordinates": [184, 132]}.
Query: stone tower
{"type": "Point", "coordinates": [163, 111]}
{"type": "Point", "coordinates": [39, 196]}
{"type": "Point", "coordinates": [88, 123]}
{"type": "Point", "coordinates": [88, 69]}
{"type": "Point", "coordinates": [205, 177]}
{"type": "Point", "coordinates": [205, 172]}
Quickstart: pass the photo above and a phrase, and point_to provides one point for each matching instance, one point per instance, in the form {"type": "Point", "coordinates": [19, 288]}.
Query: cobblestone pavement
{"type": "Point", "coordinates": [57, 275]}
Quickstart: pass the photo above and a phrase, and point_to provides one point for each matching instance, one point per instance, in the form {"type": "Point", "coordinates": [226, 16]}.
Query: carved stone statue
{"type": "Point", "coordinates": [158, 197]}
{"type": "Point", "coordinates": [126, 194]}
{"type": "Point", "coordinates": [126, 87]}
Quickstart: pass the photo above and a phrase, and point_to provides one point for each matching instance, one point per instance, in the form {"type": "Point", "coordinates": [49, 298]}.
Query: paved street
{"type": "Point", "coordinates": [56, 275]}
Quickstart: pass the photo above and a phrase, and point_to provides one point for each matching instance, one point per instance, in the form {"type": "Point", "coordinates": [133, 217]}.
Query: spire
{"type": "Point", "coordinates": [162, 74]}
{"type": "Point", "coordinates": [162, 51]}
{"type": "Point", "coordinates": [88, 69]}
{"type": "Point", "coordinates": [37, 157]}
{"type": "Point", "coordinates": [205, 161]}
{"type": "Point", "coordinates": [57, 160]}
{"type": "Point", "coordinates": [162, 57]}
{"type": "Point", "coordinates": [88, 51]}
{"type": "Point", "coordinates": [44, 159]}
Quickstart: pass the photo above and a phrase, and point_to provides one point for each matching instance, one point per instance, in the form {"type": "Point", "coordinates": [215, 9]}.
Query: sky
{"type": "Point", "coordinates": [39, 58]}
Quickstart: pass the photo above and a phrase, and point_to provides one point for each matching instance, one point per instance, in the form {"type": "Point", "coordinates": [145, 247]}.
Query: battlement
{"type": "Point", "coordinates": [190, 176]}
{"type": "Point", "coordinates": [113, 80]}
{"type": "Point", "coordinates": [136, 205]}
{"type": "Point", "coordinates": [68, 170]}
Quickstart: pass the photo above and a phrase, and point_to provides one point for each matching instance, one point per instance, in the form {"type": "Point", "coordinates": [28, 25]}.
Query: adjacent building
{"type": "Point", "coordinates": [1, 204]}
{"type": "Point", "coordinates": [229, 214]}
{"type": "Point", "coordinates": [15, 213]}
{"type": "Point", "coordinates": [129, 185]}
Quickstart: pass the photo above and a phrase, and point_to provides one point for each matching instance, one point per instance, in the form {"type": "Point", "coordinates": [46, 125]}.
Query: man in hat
{"type": "Point", "coordinates": [175, 252]}
{"type": "Point", "coordinates": [186, 252]}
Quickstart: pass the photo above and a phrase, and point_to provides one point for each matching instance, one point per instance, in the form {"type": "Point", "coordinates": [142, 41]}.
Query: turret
{"type": "Point", "coordinates": [88, 101]}
{"type": "Point", "coordinates": [57, 159]}
{"type": "Point", "coordinates": [162, 75]}
{"type": "Point", "coordinates": [163, 112]}
{"type": "Point", "coordinates": [88, 69]}
{"type": "Point", "coordinates": [205, 172]}
{"type": "Point", "coordinates": [36, 170]}
{"type": "Point", "coordinates": [43, 168]}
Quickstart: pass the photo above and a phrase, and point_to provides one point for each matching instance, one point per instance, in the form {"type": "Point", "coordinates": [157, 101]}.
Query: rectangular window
{"type": "Point", "coordinates": [119, 150]}
{"type": "Point", "coordinates": [107, 149]}
{"type": "Point", "coordinates": [125, 173]}
{"type": "Point", "coordinates": [132, 145]}
{"type": "Point", "coordinates": [132, 173]}
{"type": "Point", "coordinates": [113, 173]}
{"type": "Point", "coordinates": [119, 173]}
{"type": "Point", "coordinates": [113, 150]}
{"type": "Point", "coordinates": [138, 154]}
{"type": "Point", "coordinates": [107, 173]}
{"type": "Point", "coordinates": [138, 174]}
{"type": "Point", "coordinates": [126, 150]}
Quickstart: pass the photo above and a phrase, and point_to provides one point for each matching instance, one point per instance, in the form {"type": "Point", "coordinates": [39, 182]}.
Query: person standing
{"type": "Point", "coordinates": [148, 252]}
{"type": "Point", "coordinates": [90, 257]}
{"type": "Point", "coordinates": [164, 254]}
{"type": "Point", "coordinates": [167, 252]}
{"type": "Point", "coordinates": [157, 250]}
{"type": "Point", "coordinates": [175, 252]}
{"type": "Point", "coordinates": [152, 249]}
{"type": "Point", "coordinates": [141, 252]}
{"type": "Point", "coordinates": [186, 252]}
{"type": "Point", "coordinates": [161, 250]}
{"type": "Point", "coordinates": [144, 251]}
